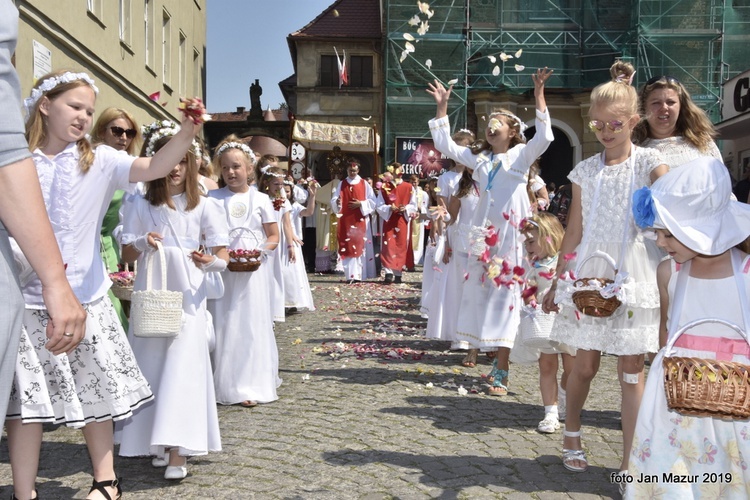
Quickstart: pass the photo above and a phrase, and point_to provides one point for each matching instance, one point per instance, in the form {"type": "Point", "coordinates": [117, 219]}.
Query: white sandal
{"type": "Point", "coordinates": [571, 455]}
{"type": "Point", "coordinates": [622, 484]}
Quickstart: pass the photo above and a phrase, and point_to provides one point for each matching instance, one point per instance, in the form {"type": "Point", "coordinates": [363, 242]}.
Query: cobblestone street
{"type": "Point", "coordinates": [369, 409]}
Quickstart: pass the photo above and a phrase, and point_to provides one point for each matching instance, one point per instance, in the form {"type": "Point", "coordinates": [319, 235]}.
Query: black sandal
{"type": "Point", "coordinates": [100, 485]}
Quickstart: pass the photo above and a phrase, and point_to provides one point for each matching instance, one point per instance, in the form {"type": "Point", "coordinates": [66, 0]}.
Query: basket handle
{"type": "Point", "coordinates": [150, 266]}
{"type": "Point", "coordinates": [693, 324]}
{"type": "Point", "coordinates": [239, 229]}
{"type": "Point", "coordinates": [601, 255]}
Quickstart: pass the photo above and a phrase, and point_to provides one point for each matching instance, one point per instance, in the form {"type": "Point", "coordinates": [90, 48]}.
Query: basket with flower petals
{"type": "Point", "coordinates": [244, 261]}
{"type": "Point", "coordinates": [122, 283]}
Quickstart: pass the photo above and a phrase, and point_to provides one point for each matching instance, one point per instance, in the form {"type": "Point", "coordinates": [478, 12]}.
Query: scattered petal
{"type": "Point", "coordinates": [409, 47]}
{"type": "Point", "coordinates": [453, 82]}
{"type": "Point", "coordinates": [414, 21]}
{"type": "Point", "coordinates": [424, 27]}
{"type": "Point", "coordinates": [403, 55]}
{"type": "Point", "coordinates": [630, 314]}
{"type": "Point", "coordinates": [367, 118]}
{"type": "Point", "coordinates": [335, 13]}
{"type": "Point", "coordinates": [462, 391]}
{"type": "Point", "coordinates": [429, 385]}
{"type": "Point", "coordinates": [409, 37]}
{"type": "Point", "coordinates": [305, 377]}
{"type": "Point", "coordinates": [520, 67]}
{"type": "Point", "coordinates": [496, 71]}
{"type": "Point", "coordinates": [492, 59]}
{"type": "Point", "coordinates": [504, 57]}
{"type": "Point", "coordinates": [518, 53]}
{"type": "Point", "coordinates": [569, 256]}
{"type": "Point", "coordinates": [428, 63]}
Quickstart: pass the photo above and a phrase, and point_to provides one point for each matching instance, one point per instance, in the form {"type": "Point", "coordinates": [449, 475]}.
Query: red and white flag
{"type": "Point", "coordinates": [343, 76]}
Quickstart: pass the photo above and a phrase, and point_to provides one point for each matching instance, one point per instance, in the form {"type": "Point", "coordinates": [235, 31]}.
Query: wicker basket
{"type": "Point", "coordinates": [243, 267]}
{"type": "Point", "coordinates": [122, 287]}
{"type": "Point", "coordinates": [591, 302]}
{"type": "Point", "coordinates": [706, 387]}
{"type": "Point", "coordinates": [156, 313]}
{"type": "Point", "coordinates": [535, 329]}
{"type": "Point", "coordinates": [247, 264]}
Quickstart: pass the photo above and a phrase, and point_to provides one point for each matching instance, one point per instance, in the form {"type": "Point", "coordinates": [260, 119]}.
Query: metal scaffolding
{"type": "Point", "coordinates": [702, 43]}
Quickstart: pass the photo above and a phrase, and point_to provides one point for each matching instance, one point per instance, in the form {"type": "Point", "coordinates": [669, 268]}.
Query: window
{"type": "Point", "coordinates": [125, 31]}
{"type": "Point", "coordinates": [95, 8]}
{"type": "Point", "coordinates": [148, 22]}
{"type": "Point", "coordinates": [360, 71]}
{"type": "Point", "coordinates": [329, 71]}
{"type": "Point", "coordinates": [197, 74]}
{"type": "Point", "coordinates": [182, 64]}
{"type": "Point", "coordinates": [166, 48]}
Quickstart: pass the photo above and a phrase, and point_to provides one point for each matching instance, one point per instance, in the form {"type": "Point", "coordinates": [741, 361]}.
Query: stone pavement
{"type": "Point", "coordinates": [369, 409]}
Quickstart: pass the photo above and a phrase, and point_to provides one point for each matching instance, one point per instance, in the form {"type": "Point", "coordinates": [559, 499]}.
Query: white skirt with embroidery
{"type": "Point", "coordinates": [634, 327]}
{"type": "Point", "coordinates": [98, 381]}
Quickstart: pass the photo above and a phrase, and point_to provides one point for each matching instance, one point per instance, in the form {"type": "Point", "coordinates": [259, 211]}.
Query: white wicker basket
{"type": "Point", "coordinates": [535, 329]}
{"type": "Point", "coordinates": [156, 313]}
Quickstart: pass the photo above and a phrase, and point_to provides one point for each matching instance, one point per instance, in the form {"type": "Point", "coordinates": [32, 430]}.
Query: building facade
{"type": "Point", "coordinates": [133, 49]}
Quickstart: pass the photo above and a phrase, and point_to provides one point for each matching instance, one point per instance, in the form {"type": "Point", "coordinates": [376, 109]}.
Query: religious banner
{"type": "Point", "coordinates": [417, 155]}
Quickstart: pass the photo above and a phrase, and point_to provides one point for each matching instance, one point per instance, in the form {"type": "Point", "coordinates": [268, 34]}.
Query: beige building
{"type": "Point", "coordinates": [131, 48]}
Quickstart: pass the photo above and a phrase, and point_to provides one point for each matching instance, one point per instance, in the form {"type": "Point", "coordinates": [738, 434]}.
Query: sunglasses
{"type": "Point", "coordinates": [118, 131]}
{"type": "Point", "coordinates": [614, 125]}
{"type": "Point", "coordinates": [669, 79]}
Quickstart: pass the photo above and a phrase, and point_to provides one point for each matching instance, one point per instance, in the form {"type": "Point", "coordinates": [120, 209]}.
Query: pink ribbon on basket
{"type": "Point", "coordinates": [724, 348]}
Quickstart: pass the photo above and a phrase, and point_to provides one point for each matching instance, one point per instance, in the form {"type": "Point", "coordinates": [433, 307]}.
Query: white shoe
{"type": "Point", "coordinates": [162, 461]}
{"type": "Point", "coordinates": [175, 472]}
{"type": "Point", "coordinates": [561, 405]}
{"type": "Point", "coordinates": [549, 425]}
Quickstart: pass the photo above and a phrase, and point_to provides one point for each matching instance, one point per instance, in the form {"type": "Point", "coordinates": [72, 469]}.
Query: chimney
{"type": "Point", "coordinates": [240, 110]}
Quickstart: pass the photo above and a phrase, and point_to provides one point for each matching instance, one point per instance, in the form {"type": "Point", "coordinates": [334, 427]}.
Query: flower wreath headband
{"type": "Point", "coordinates": [521, 125]}
{"type": "Point", "coordinates": [236, 145]}
{"type": "Point", "coordinates": [164, 128]}
{"type": "Point", "coordinates": [52, 82]}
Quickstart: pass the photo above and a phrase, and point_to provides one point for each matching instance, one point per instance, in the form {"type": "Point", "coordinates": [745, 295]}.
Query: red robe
{"type": "Point", "coordinates": [352, 226]}
{"type": "Point", "coordinates": [396, 230]}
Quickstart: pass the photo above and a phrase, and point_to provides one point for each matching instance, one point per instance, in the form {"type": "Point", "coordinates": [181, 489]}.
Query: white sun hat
{"type": "Point", "coordinates": [694, 204]}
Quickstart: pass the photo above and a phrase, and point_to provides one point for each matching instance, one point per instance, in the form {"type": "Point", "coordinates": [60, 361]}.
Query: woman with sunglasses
{"type": "Point", "coordinates": [673, 124]}
{"type": "Point", "coordinates": [599, 223]}
{"type": "Point", "coordinates": [118, 129]}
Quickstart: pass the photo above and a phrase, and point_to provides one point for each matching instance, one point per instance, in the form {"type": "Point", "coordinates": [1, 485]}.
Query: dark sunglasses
{"type": "Point", "coordinates": [614, 125]}
{"type": "Point", "coordinates": [666, 78]}
{"type": "Point", "coordinates": [118, 131]}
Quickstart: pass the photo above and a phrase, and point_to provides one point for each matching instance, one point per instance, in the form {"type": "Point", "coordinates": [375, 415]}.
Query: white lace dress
{"type": "Point", "coordinates": [676, 151]}
{"type": "Point", "coordinates": [633, 328]}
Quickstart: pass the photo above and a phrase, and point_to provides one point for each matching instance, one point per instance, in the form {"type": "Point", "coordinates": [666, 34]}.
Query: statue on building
{"type": "Point", "coordinates": [256, 112]}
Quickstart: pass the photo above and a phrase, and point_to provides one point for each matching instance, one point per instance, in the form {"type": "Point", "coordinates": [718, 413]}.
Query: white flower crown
{"type": "Point", "coordinates": [236, 145]}
{"type": "Point", "coordinates": [52, 82]}
{"type": "Point", "coordinates": [164, 128]}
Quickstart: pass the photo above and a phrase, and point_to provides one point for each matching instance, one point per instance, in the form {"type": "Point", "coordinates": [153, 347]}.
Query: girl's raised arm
{"type": "Point", "coordinates": [146, 169]}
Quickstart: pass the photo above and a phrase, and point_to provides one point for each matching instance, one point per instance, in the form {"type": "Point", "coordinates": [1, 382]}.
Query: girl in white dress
{"type": "Point", "coordinates": [172, 210]}
{"type": "Point", "coordinates": [245, 359]}
{"type": "Point", "coordinates": [296, 285]}
{"type": "Point", "coordinates": [489, 311]}
{"type": "Point", "coordinates": [599, 220]}
{"type": "Point", "coordinates": [98, 381]}
{"type": "Point", "coordinates": [707, 278]}
{"type": "Point", "coordinates": [544, 235]}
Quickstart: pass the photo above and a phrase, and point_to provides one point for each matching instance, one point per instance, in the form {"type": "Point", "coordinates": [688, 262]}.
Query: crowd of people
{"type": "Point", "coordinates": [649, 226]}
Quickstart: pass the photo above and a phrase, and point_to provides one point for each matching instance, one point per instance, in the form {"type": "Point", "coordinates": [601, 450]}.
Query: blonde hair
{"type": "Point", "coordinates": [617, 92]}
{"type": "Point", "coordinates": [249, 159]}
{"type": "Point", "coordinates": [550, 231]}
{"type": "Point", "coordinates": [108, 115]}
{"type": "Point", "coordinates": [268, 176]}
{"type": "Point", "coordinates": [157, 190]}
{"type": "Point", "coordinates": [36, 129]}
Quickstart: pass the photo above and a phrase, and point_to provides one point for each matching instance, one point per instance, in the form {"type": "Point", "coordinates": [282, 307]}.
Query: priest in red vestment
{"type": "Point", "coordinates": [397, 205]}
{"type": "Point", "coordinates": [355, 201]}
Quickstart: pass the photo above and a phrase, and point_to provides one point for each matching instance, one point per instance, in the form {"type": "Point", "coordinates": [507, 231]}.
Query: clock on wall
{"type": "Point", "coordinates": [297, 152]}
